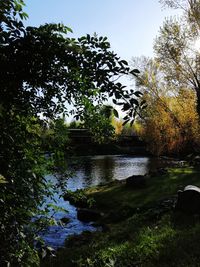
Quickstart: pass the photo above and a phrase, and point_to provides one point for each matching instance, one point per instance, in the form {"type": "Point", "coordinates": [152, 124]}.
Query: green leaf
{"type": "Point", "coordinates": [115, 112]}
{"type": "Point", "coordinates": [114, 101]}
{"type": "Point", "coordinates": [138, 93]}
{"type": "Point", "coordinates": [131, 123]}
{"type": "Point", "coordinates": [143, 102]}
{"type": "Point", "coordinates": [125, 122]}
{"type": "Point", "coordinates": [134, 101]}
{"type": "Point", "coordinates": [2, 179]}
{"type": "Point", "coordinates": [126, 107]}
{"type": "Point", "coordinates": [117, 95]}
{"type": "Point", "coordinates": [134, 71]}
{"type": "Point", "coordinates": [88, 37]}
{"type": "Point", "coordinates": [68, 29]}
{"type": "Point", "coordinates": [120, 103]}
{"type": "Point", "coordinates": [124, 62]}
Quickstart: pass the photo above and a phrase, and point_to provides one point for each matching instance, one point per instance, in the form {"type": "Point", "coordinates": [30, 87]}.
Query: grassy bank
{"type": "Point", "coordinates": [141, 227]}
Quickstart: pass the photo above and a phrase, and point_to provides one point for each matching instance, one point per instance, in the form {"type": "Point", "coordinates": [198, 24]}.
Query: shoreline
{"type": "Point", "coordinates": [138, 223]}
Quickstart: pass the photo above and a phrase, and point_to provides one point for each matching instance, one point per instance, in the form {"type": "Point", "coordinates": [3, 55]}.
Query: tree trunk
{"type": "Point", "coordinates": [198, 102]}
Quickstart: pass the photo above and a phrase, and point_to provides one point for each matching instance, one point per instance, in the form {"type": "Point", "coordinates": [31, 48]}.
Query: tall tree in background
{"type": "Point", "coordinates": [171, 82]}
{"type": "Point", "coordinates": [178, 45]}
{"type": "Point", "coordinates": [170, 121]}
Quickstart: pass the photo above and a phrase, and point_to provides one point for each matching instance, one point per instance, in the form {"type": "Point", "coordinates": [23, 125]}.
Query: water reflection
{"type": "Point", "coordinates": [90, 171]}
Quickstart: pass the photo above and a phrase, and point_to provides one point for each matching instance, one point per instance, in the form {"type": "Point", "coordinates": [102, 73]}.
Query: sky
{"type": "Point", "coordinates": [130, 25]}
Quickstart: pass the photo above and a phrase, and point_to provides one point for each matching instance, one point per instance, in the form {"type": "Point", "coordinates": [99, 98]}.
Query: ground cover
{"type": "Point", "coordinates": [141, 227]}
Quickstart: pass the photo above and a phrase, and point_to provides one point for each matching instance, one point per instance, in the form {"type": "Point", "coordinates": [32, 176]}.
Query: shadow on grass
{"type": "Point", "coordinates": [115, 196]}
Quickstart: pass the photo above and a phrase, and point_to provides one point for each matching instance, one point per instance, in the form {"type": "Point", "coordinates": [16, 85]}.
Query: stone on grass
{"type": "Point", "coordinates": [189, 200]}
{"type": "Point", "coordinates": [136, 181]}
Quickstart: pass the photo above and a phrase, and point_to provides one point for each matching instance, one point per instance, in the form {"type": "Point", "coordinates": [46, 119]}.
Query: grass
{"type": "Point", "coordinates": [117, 195]}
{"type": "Point", "coordinates": [141, 231]}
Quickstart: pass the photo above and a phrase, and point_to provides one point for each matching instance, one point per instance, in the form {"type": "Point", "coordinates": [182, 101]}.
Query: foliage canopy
{"type": "Point", "coordinates": [42, 69]}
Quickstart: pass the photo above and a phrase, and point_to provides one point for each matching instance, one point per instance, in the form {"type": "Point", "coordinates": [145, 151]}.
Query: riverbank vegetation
{"type": "Point", "coordinates": [140, 226]}
{"type": "Point", "coordinates": [43, 71]}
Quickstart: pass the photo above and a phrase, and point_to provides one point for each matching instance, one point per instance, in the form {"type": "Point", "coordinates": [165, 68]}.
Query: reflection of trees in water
{"type": "Point", "coordinates": [152, 164]}
{"type": "Point", "coordinates": [98, 170]}
{"type": "Point", "coordinates": [105, 168]}
{"type": "Point", "coordinates": [155, 163]}
{"type": "Point", "coordinates": [89, 171]}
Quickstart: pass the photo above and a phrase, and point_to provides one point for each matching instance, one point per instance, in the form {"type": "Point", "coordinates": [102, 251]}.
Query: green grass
{"type": "Point", "coordinates": [146, 237]}
{"type": "Point", "coordinates": [115, 196]}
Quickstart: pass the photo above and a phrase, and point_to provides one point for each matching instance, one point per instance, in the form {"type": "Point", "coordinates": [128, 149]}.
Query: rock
{"type": "Point", "coordinates": [189, 200]}
{"type": "Point", "coordinates": [197, 158]}
{"type": "Point", "coordinates": [189, 156]}
{"type": "Point", "coordinates": [88, 215]}
{"type": "Point", "coordinates": [136, 181]}
{"type": "Point", "coordinates": [65, 220]}
{"type": "Point", "coordinates": [195, 161]}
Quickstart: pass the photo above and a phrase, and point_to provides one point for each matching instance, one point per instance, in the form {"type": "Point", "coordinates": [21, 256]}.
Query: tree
{"type": "Point", "coordinates": [42, 70]}
{"type": "Point", "coordinates": [11, 26]}
{"type": "Point", "coordinates": [170, 121]}
{"type": "Point", "coordinates": [55, 136]}
{"type": "Point", "coordinates": [173, 74]}
{"type": "Point", "coordinates": [175, 47]}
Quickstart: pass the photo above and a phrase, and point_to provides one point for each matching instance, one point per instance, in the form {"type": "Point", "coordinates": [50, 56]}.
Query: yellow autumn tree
{"type": "Point", "coordinates": [170, 122]}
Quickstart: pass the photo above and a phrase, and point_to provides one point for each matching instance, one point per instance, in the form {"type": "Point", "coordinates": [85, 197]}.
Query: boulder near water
{"type": "Point", "coordinates": [136, 181]}
{"type": "Point", "coordinates": [189, 200]}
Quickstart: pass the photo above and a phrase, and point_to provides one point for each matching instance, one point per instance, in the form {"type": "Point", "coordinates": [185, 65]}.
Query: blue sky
{"type": "Point", "coordinates": [130, 25]}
